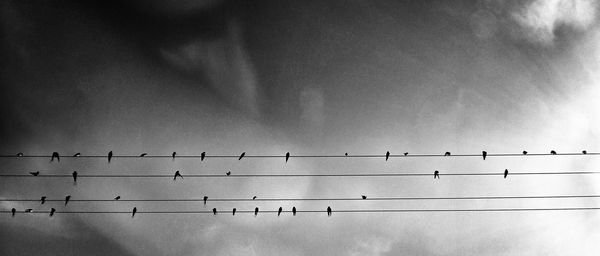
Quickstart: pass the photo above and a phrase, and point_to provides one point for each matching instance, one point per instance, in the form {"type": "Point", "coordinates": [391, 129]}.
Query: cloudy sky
{"type": "Point", "coordinates": [308, 77]}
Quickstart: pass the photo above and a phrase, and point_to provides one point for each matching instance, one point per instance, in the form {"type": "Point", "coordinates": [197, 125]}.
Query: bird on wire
{"type": "Point", "coordinates": [279, 211]}
{"type": "Point", "coordinates": [387, 155]}
{"type": "Point", "coordinates": [67, 198]}
{"type": "Point", "coordinates": [328, 211]}
{"type": "Point", "coordinates": [436, 174]}
{"type": "Point", "coordinates": [77, 154]}
{"type": "Point", "coordinates": [242, 155]}
{"type": "Point", "coordinates": [177, 174]}
{"type": "Point", "coordinates": [56, 156]}
{"type": "Point", "coordinates": [110, 155]}
{"type": "Point", "coordinates": [202, 156]}
{"type": "Point", "coordinates": [35, 173]}
{"type": "Point", "coordinates": [133, 211]}
{"type": "Point", "coordinates": [484, 154]}
{"type": "Point", "coordinates": [287, 156]}
{"type": "Point", "coordinates": [505, 173]}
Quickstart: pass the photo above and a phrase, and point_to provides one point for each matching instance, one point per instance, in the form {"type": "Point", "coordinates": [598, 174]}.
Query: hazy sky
{"type": "Point", "coordinates": [308, 77]}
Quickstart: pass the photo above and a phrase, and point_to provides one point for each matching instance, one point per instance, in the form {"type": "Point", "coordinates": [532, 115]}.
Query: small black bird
{"type": "Point", "coordinates": [484, 154]}
{"type": "Point", "coordinates": [234, 211]}
{"type": "Point", "coordinates": [254, 197]}
{"type": "Point", "coordinates": [20, 154]}
{"type": "Point", "coordinates": [143, 154]}
{"type": "Point", "coordinates": [35, 173]}
{"type": "Point", "coordinates": [279, 211]}
{"type": "Point", "coordinates": [346, 154]}
{"type": "Point", "coordinates": [436, 174]}
{"type": "Point", "coordinates": [242, 155]}
{"type": "Point", "coordinates": [387, 155]}
{"type": "Point", "coordinates": [228, 173]}
{"type": "Point", "coordinates": [117, 198]}
{"type": "Point", "coordinates": [205, 199]}
{"type": "Point", "coordinates": [447, 154]}
{"type": "Point", "coordinates": [13, 211]}
{"type": "Point", "coordinates": [29, 210]}
{"type": "Point", "coordinates": [505, 173]}
{"type": "Point", "coordinates": [552, 152]}
{"type": "Point", "coordinates": [255, 211]}
{"type": "Point", "coordinates": [405, 153]}
{"type": "Point", "coordinates": [202, 156]}
{"type": "Point", "coordinates": [110, 154]}
{"type": "Point", "coordinates": [77, 154]}
{"type": "Point", "coordinates": [177, 174]}
{"type": "Point", "coordinates": [133, 211]}
{"type": "Point", "coordinates": [364, 197]}
{"type": "Point", "coordinates": [43, 199]}
{"type": "Point", "coordinates": [74, 176]}
{"type": "Point", "coordinates": [52, 211]}
{"type": "Point", "coordinates": [524, 152]}
{"type": "Point", "coordinates": [214, 211]}
{"type": "Point", "coordinates": [584, 152]}
{"type": "Point", "coordinates": [173, 155]}
{"type": "Point", "coordinates": [287, 156]}
{"type": "Point", "coordinates": [56, 156]}
{"type": "Point", "coordinates": [294, 210]}
{"type": "Point", "coordinates": [328, 211]}
{"type": "Point", "coordinates": [67, 198]}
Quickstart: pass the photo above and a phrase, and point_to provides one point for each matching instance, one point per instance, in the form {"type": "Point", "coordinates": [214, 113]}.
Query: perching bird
{"type": "Point", "coordinates": [228, 173]}
{"type": "Point", "coordinates": [405, 153]}
{"type": "Point", "coordinates": [254, 197]}
{"type": "Point", "coordinates": [346, 154]}
{"type": "Point", "coordinates": [29, 210]}
{"type": "Point", "coordinates": [143, 154]}
{"type": "Point", "coordinates": [552, 152]}
{"type": "Point", "coordinates": [364, 197]}
{"type": "Point", "coordinates": [173, 155]}
{"type": "Point", "coordinates": [505, 173]}
{"type": "Point", "coordinates": [524, 152]}
{"type": "Point", "coordinates": [205, 199]}
{"type": "Point", "coordinates": [447, 154]}
{"type": "Point", "coordinates": [387, 155]}
{"type": "Point", "coordinates": [287, 156]}
{"type": "Point", "coordinates": [484, 154]}
{"type": "Point", "coordinates": [74, 176]}
{"type": "Point", "coordinates": [133, 211]}
{"type": "Point", "coordinates": [52, 211]}
{"type": "Point", "coordinates": [13, 211]}
{"type": "Point", "coordinates": [55, 155]}
{"type": "Point", "coordinates": [328, 211]}
{"type": "Point", "coordinates": [242, 155]}
{"type": "Point", "coordinates": [77, 154]}
{"type": "Point", "coordinates": [43, 199]}
{"type": "Point", "coordinates": [234, 211]}
{"type": "Point", "coordinates": [214, 211]}
{"type": "Point", "coordinates": [35, 173]}
{"type": "Point", "coordinates": [202, 156]}
{"type": "Point", "coordinates": [255, 211]}
{"type": "Point", "coordinates": [67, 198]}
{"type": "Point", "coordinates": [584, 152]}
{"type": "Point", "coordinates": [117, 198]}
{"type": "Point", "coordinates": [20, 154]}
{"type": "Point", "coordinates": [110, 154]}
{"type": "Point", "coordinates": [294, 210]}
{"type": "Point", "coordinates": [436, 174]}
{"type": "Point", "coordinates": [279, 211]}
{"type": "Point", "coordinates": [177, 174]}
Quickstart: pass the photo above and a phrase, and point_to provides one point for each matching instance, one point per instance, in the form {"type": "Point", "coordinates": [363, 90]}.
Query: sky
{"type": "Point", "coordinates": [309, 78]}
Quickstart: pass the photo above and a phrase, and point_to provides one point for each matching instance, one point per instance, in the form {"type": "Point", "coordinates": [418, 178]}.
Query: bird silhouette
{"type": "Point", "coordinates": [56, 156]}
{"type": "Point", "coordinates": [117, 198]}
{"type": "Point", "coordinates": [13, 211]}
{"type": "Point", "coordinates": [20, 154]}
{"type": "Point", "coordinates": [363, 197]}
{"type": "Point", "coordinates": [242, 155]}
{"type": "Point", "coordinates": [552, 152]}
{"type": "Point", "coordinates": [524, 152]}
{"type": "Point", "coordinates": [294, 210]}
{"type": "Point", "coordinates": [584, 152]}
{"type": "Point", "coordinates": [143, 154]}
{"type": "Point", "coordinates": [505, 173]}
{"type": "Point", "coordinates": [346, 154]}
{"type": "Point", "coordinates": [202, 156]}
{"type": "Point", "coordinates": [177, 174]}
{"type": "Point", "coordinates": [74, 176]}
{"type": "Point", "coordinates": [29, 210]}
{"type": "Point", "coordinates": [133, 211]}
{"type": "Point", "coordinates": [287, 156]}
{"type": "Point", "coordinates": [110, 155]}
{"type": "Point", "coordinates": [214, 211]}
{"type": "Point", "coordinates": [77, 154]}
{"type": "Point", "coordinates": [205, 199]}
{"type": "Point", "coordinates": [228, 173]}
{"type": "Point", "coordinates": [328, 211]}
{"type": "Point", "coordinates": [387, 155]}
{"type": "Point", "coordinates": [173, 155]}
{"type": "Point", "coordinates": [255, 211]}
{"type": "Point", "coordinates": [436, 174]}
{"type": "Point", "coordinates": [447, 153]}
{"type": "Point", "coordinates": [43, 199]}
{"type": "Point", "coordinates": [405, 153]}
{"type": "Point", "coordinates": [279, 211]}
{"type": "Point", "coordinates": [234, 211]}
{"type": "Point", "coordinates": [254, 197]}
{"type": "Point", "coordinates": [484, 154]}
{"type": "Point", "coordinates": [67, 198]}
{"type": "Point", "coordinates": [52, 211]}
{"type": "Point", "coordinates": [35, 173]}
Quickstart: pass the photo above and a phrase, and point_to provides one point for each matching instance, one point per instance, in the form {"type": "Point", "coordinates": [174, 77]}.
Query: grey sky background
{"type": "Point", "coordinates": [315, 77]}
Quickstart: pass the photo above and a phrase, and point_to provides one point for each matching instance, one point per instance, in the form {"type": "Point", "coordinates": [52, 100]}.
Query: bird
{"type": "Point", "coordinates": [214, 211]}
{"type": "Point", "coordinates": [405, 153]}
{"type": "Point", "coordinates": [228, 173]}
{"type": "Point", "coordinates": [205, 199]}
{"type": "Point", "coordinates": [552, 152]}
{"type": "Point", "coordinates": [328, 210]}
{"type": "Point", "coordinates": [77, 154]}
{"type": "Point", "coordinates": [133, 211]}
{"type": "Point", "coordinates": [56, 156]}
{"type": "Point", "coordinates": [117, 198]}
{"type": "Point", "coordinates": [110, 154]}
{"type": "Point", "coordinates": [447, 153]}
{"type": "Point", "coordinates": [524, 152]}
{"type": "Point", "coordinates": [294, 210]}
{"type": "Point", "coordinates": [436, 174]}
{"type": "Point", "coordinates": [13, 211]}
{"type": "Point", "coordinates": [255, 211]}
{"type": "Point", "coordinates": [35, 173]}
{"type": "Point", "coordinates": [52, 211]}
{"type": "Point", "coordinates": [484, 154]}
{"type": "Point", "coordinates": [20, 154]}
{"type": "Point", "coordinates": [387, 155]}
{"type": "Point", "coordinates": [43, 199]}
{"type": "Point", "coordinates": [584, 152]}
{"type": "Point", "coordinates": [363, 197]}
{"type": "Point", "coordinates": [505, 173]}
{"type": "Point", "coordinates": [242, 155]}
{"type": "Point", "coordinates": [287, 156]}
{"type": "Point", "coordinates": [202, 156]}
{"type": "Point", "coordinates": [143, 154]}
{"type": "Point", "coordinates": [74, 176]}
{"type": "Point", "coordinates": [234, 211]}
{"type": "Point", "coordinates": [173, 155]}
{"type": "Point", "coordinates": [67, 198]}
{"type": "Point", "coordinates": [29, 210]}
{"type": "Point", "coordinates": [177, 174]}
{"type": "Point", "coordinates": [279, 211]}
{"type": "Point", "coordinates": [254, 197]}
{"type": "Point", "coordinates": [346, 154]}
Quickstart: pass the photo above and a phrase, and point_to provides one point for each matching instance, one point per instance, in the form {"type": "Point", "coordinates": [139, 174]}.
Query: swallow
{"type": "Point", "coordinates": [143, 154]}
{"type": "Point", "coordinates": [242, 155]}
{"type": "Point", "coordinates": [67, 198]}
{"type": "Point", "coordinates": [74, 176]}
{"type": "Point", "coordinates": [13, 211]}
{"type": "Point", "coordinates": [43, 199]}
{"type": "Point", "coordinates": [29, 210]}
{"type": "Point", "coordinates": [202, 156]}
{"type": "Point", "coordinates": [117, 198]}
{"type": "Point", "coordinates": [552, 152]}
{"type": "Point", "coordinates": [387, 155]}
{"type": "Point", "coordinates": [484, 154]}
{"type": "Point", "coordinates": [35, 173]}
{"type": "Point", "coordinates": [524, 152]}
{"type": "Point", "coordinates": [52, 211]}
{"type": "Point", "coordinates": [234, 211]}
{"type": "Point", "coordinates": [177, 174]}
{"type": "Point", "coordinates": [133, 211]}
{"type": "Point", "coordinates": [255, 211]}
{"type": "Point", "coordinates": [228, 173]}
{"type": "Point", "coordinates": [405, 153]}
{"type": "Point", "coordinates": [505, 173]}
{"type": "Point", "coordinates": [205, 199]}
{"type": "Point", "coordinates": [447, 153]}
{"type": "Point", "coordinates": [77, 154]}
{"type": "Point", "coordinates": [436, 174]}
{"type": "Point", "coordinates": [56, 156]}
{"type": "Point", "coordinates": [279, 211]}
{"type": "Point", "coordinates": [294, 210]}
{"type": "Point", "coordinates": [254, 197]}
{"type": "Point", "coordinates": [346, 154]}
{"type": "Point", "coordinates": [214, 211]}
{"type": "Point", "coordinates": [584, 152]}
{"type": "Point", "coordinates": [110, 154]}
{"type": "Point", "coordinates": [173, 155]}
{"type": "Point", "coordinates": [328, 211]}
{"type": "Point", "coordinates": [287, 156]}
{"type": "Point", "coordinates": [363, 197]}
{"type": "Point", "coordinates": [20, 154]}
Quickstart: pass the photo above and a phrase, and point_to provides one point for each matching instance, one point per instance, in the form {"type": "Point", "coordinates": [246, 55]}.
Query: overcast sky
{"type": "Point", "coordinates": [308, 77]}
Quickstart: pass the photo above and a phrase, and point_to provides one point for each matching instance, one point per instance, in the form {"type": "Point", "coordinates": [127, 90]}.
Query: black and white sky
{"type": "Point", "coordinates": [311, 78]}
